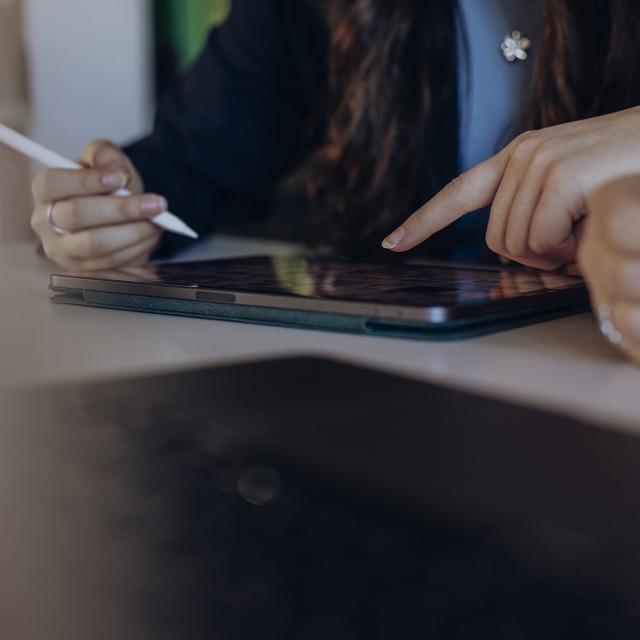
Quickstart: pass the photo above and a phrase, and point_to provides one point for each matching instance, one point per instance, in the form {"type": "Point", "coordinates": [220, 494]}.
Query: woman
{"type": "Point", "coordinates": [379, 95]}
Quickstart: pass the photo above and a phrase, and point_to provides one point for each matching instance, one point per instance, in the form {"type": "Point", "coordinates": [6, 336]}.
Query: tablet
{"type": "Point", "coordinates": [417, 300]}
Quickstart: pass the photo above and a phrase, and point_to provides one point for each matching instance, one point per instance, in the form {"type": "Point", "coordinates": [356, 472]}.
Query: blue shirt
{"type": "Point", "coordinates": [492, 90]}
{"type": "Point", "coordinates": [493, 94]}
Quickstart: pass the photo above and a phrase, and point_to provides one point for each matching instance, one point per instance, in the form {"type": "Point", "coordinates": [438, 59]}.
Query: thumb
{"type": "Point", "coordinates": [103, 154]}
{"type": "Point", "coordinates": [468, 192]}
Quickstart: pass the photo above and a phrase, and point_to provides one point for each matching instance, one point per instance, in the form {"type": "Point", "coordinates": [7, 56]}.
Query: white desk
{"type": "Point", "coordinates": [563, 364]}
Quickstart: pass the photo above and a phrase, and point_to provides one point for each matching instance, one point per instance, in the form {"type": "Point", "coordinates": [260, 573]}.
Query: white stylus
{"type": "Point", "coordinates": [21, 143]}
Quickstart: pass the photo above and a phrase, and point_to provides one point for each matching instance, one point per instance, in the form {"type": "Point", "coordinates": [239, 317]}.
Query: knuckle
{"type": "Point", "coordinates": [105, 153]}
{"type": "Point", "coordinates": [43, 185]}
{"type": "Point", "coordinates": [150, 231]}
{"type": "Point", "coordinates": [89, 182]}
{"type": "Point", "coordinates": [68, 214]}
{"type": "Point", "coordinates": [521, 152]}
{"type": "Point", "coordinates": [558, 176]}
{"type": "Point", "coordinates": [52, 251]}
{"type": "Point", "coordinates": [454, 188]}
{"type": "Point", "coordinates": [493, 244]}
{"type": "Point", "coordinates": [128, 208]}
{"type": "Point", "coordinates": [513, 247]}
{"type": "Point", "coordinates": [94, 244]}
{"type": "Point", "coordinates": [542, 157]}
{"type": "Point", "coordinates": [103, 146]}
{"type": "Point", "coordinates": [86, 245]}
{"type": "Point", "coordinates": [528, 136]}
{"type": "Point", "coordinates": [49, 251]}
{"type": "Point", "coordinates": [36, 221]}
{"type": "Point", "coordinates": [92, 149]}
{"type": "Point", "coordinates": [525, 145]}
{"type": "Point", "coordinates": [539, 245]}
{"type": "Point", "coordinates": [420, 217]}
{"type": "Point", "coordinates": [150, 244]}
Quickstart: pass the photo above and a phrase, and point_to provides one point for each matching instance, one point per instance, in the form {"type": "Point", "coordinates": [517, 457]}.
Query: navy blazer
{"type": "Point", "coordinates": [250, 109]}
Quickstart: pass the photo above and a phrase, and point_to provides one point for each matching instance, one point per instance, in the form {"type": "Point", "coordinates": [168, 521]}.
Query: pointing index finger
{"type": "Point", "coordinates": [470, 191]}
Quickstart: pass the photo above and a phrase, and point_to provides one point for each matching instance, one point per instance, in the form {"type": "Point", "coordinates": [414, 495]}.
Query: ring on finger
{"type": "Point", "coordinates": [609, 330]}
{"type": "Point", "coordinates": [58, 230]}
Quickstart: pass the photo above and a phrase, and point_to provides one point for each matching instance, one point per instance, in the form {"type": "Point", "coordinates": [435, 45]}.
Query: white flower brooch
{"type": "Point", "coordinates": [515, 46]}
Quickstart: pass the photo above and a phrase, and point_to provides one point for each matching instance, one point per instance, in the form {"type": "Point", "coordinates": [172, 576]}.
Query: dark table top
{"type": "Point", "coordinates": [305, 498]}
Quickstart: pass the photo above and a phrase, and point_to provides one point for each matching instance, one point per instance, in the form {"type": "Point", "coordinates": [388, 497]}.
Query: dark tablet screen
{"type": "Point", "coordinates": [413, 285]}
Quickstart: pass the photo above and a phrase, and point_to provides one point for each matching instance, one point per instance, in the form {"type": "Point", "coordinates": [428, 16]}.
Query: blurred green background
{"type": "Point", "coordinates": [181, 28]}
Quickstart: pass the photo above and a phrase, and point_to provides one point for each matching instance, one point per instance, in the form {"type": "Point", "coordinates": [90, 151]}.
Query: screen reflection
{"type": "Point", "coordinates": [382, 283]}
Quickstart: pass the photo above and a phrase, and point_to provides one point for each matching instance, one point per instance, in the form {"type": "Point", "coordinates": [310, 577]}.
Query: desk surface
{"type": "Point", "coordinates": [564, 364]}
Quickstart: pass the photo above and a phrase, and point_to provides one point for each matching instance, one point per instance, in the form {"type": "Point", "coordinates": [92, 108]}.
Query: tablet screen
{"type": "Point", "coordinates": [412, 285]}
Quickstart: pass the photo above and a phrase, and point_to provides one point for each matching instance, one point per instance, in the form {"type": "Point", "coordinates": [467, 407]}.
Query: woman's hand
{"type": "Point", "coordinates": [103, 231]}
{"type": "Point", "coordinates": [609, 258]}
{"type": "Point", "coordinates": [538, 186]}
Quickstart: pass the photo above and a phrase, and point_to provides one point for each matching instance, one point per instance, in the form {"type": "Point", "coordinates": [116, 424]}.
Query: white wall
{"type": "Point", "coordinates": [15, 195]}
{"type": "Point", "coordinates": [90, 71]}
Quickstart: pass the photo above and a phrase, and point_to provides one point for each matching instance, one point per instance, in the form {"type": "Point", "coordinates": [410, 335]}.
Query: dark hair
{"type": "Point", "coordinates": [588, 60]}
{"type": "Point", "coordinates": [391, 63]}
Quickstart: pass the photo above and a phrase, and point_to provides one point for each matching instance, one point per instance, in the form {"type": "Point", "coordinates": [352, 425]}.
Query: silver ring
{"type": "Point", "coordinates": [609, 330]}
{"type": "Point", "coordinates": [58, 230]}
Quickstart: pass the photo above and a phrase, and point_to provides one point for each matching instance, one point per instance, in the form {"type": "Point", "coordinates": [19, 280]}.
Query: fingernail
{"type": "Point", "coordinates": [153, 205]}
{"type": "Point", "coordinates": [115, 181]}
{"type": "Point", "coordinates": [392, 241]}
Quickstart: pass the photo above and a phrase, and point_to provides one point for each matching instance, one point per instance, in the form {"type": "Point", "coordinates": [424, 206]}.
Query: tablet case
{"type": "Point", "coordinates": [456, 330]}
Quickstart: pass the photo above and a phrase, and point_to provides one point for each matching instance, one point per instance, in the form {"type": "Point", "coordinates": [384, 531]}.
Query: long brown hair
{"type": "Point", "coordinates": [392, 63]}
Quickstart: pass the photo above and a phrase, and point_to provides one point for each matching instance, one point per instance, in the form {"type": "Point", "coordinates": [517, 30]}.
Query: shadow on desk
{"type": "Point", "coordinates": [308, 499]}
